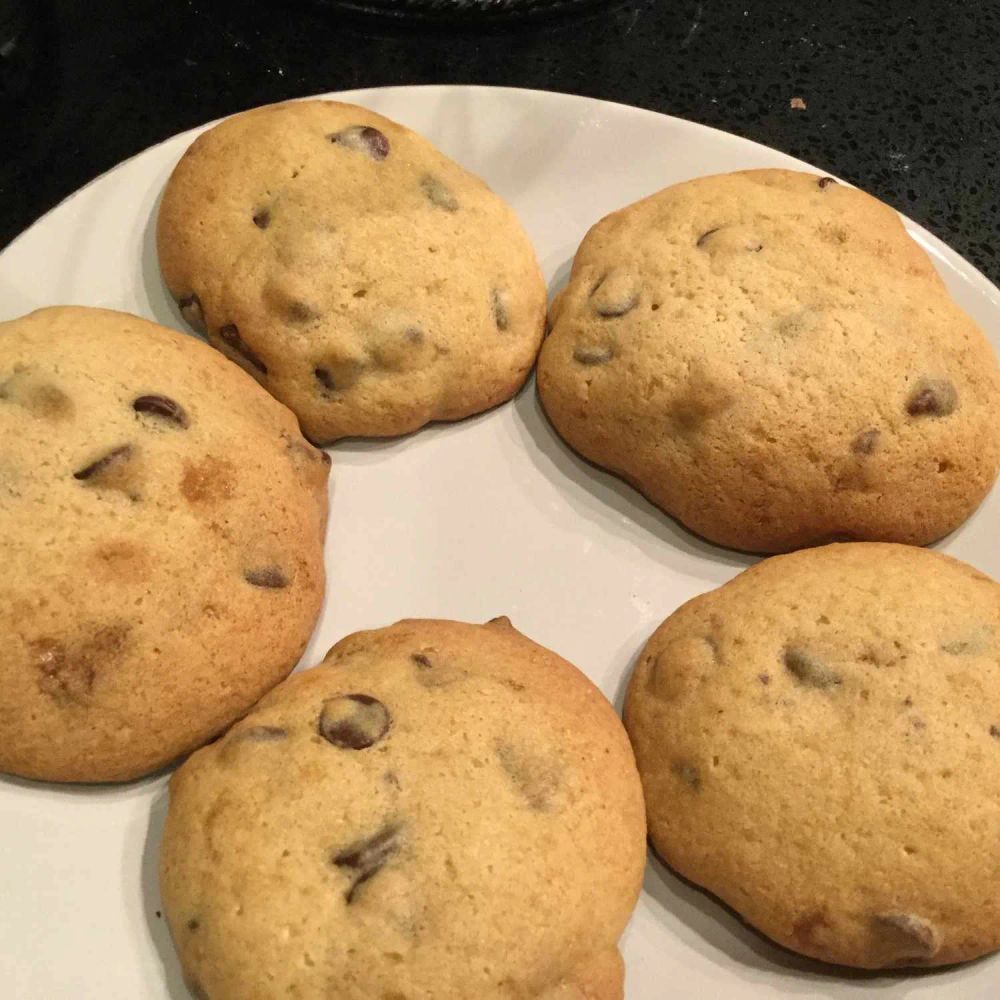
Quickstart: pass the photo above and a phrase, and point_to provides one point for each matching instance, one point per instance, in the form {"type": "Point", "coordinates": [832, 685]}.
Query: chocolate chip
{"type": "Point", "coordinates": [191, 310]}
{"type": "Point", "coordinates": [534, 776]}
{"type": "Point", "coordinates": [995, 732]}
{"type": "Point", "coordinates": [193, 924]}
{"type": "Point", "coordinates": [865, 442]}
{"type": "Point", "coordinates": [619, 307]}
{"type": "Point", "coordinates": [114, 459]}
{"type": "Point", "coordinates": [500, 314]}
{"type": "Point", "coordinates": [704, 238]}
{"type": "Point", "coordinates": [262, 219]}
{"type": "Point", "coordinates": [421, 661]}
{"type": "Point", "coordinates": [354, 721]}
{"type": "Point", "coordinates": [325, 379]}
{"type": "Point", "coordinates": [195, 989]}
{"type": "Point", "coordinates": [261, 734]}
{"type": "Point", "coordinates": [364, 139]}
{"type": "Point", "coordinates": [932, 398]}
{"type": "Point", "coordinates": [438, 193]}
{"type": "Point", "coordinates": [594, 355]}
{"type": "Point", "coordinates": [269, 577]}
{"type": "Point", "coordinates": [911, 937]}
{"type": "Point", "coordinates": [809, 670]}
{"type": "Point", "coordinates": [764, 678]}
{"type": "Point", "coordinates": [39, 398]}
{"type": "Point", "coordinates": [230, 336]}
{"type": "Point", "coordinates": [161, 406]}
{"type": "Point", "coordinates": [688, 773]}
{"type": "Point", "coordinates": [366, 858]}
{"type": "Point", "coordinates": [299, 312]}
{"type": "Point", "coordinates": [825, 182]}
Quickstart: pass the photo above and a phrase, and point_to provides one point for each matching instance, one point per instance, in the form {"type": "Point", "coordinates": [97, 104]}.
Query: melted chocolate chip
{"type": "Point", "coordinates": [911, 937]}
{"type": "Point", "coordinates": [809, 670]}
{"type": "Point", "coordinates": [421, 660]}
{"type": "Point", "coordinates": [269, 577]}
{"type": "Point", "coordinates": [706, 236]}
{"type": "Point", "coordinates": [593, 355]}
{"type": "Point", "coordinates": [161, 406]}
{"type": "Point", "coordinates": [995, 732]}
{"type": "Point", "coordinates": [261, 734]}
{"type": "Point", "coordinates": [688, 773]}
{"type": "Point", "coordinates": [438, 193]}
{"type": "Point", "coordinates": [364, 139]}
{"type": "Point", "coordinates": [866, 442]}
{"type": "Point", "coordinates": [262, 219]}
{"type": "Point", "coordinates": [230, 336]}
{"type": "Point", "coordinates": [193, 924]}
{"type": "Point", "coordinates": [325, 379]}
{"type": "Point", "coordinates": [932, 398]}
{"type": "Point", "coordinates": [354, 721]}
{"type": "Point", "coordinates": [191, 310]}
{"type": "Point", "coordinates": [500, 314]}
{"type": "Point", "coordinates": [366, 858]}
{"type": "Point", "coordinates": [824, 182]}
{"type": "Point", "coordinates": [112, 460]}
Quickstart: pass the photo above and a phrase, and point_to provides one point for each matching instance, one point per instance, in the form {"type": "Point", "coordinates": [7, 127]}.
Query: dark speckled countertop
{"type": "Point", "coordinates": [900, 97]}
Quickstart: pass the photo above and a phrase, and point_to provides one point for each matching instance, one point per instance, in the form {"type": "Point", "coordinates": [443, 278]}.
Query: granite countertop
{"type": "Point", "coordinates": [895, 97]}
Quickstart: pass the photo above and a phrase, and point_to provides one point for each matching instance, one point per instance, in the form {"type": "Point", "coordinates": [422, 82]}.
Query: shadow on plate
{"type": "Point", "coordinates": [719, 928]}
{"type": "Point", "coordinates": [160, 306]}
{"type": "Point", "coordinates": [601, 497]}
{"type": "Point", "coordinates": [173, 977]}
{"type": "Point", "coordinates": [138, 787]}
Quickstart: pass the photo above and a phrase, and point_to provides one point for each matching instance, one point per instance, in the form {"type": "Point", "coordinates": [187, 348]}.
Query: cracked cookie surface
{"type": "Point", "coordinates": [819, 744]}
{"type": "Point", "coordinates": [439, 810]}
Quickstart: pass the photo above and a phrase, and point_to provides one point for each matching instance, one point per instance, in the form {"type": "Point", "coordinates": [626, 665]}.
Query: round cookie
{"type": "Point", "coordinates": [366, 280]}
{"type": "Point", "coordinates": [438, 810]}
{"type": "Point", "coordinates": [819, 745]}
{"type": "Point", "coordinates": [162, 541]}
{"type": "Point", "coordinates": [772, 360]}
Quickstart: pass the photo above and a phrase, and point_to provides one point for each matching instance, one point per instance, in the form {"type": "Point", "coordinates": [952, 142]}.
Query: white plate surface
{"type": "Point", "coordinates": [490, 516]}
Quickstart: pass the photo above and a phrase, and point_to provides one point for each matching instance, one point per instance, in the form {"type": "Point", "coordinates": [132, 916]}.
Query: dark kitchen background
{"type": "Point", "coordinates": [899, 98]}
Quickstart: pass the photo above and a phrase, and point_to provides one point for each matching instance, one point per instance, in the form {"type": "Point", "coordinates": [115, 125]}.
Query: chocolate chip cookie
{"type": "Point", "coordinates": [771, 359]}
{"type": "Point", "coordinates": [438, 810]}
{"type": "Point", "coordinates": [819, 745]}
{"type": "Point", "coordinates": [362, 277]}
{"type": "Point", "coordinates": [162, 544]}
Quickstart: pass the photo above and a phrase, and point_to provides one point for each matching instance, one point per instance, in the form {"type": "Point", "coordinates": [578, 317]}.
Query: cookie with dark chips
{"type": "Point", "coordinates": [819, 745]}
{"type": "Point", "coordinates": [772, 360]}
{"type": "Point", "coordinates": [438, 810]}
{"type": "Point", "coordinates": [362, 277]}
{"type": "Point", "coordinates": [162, 544]}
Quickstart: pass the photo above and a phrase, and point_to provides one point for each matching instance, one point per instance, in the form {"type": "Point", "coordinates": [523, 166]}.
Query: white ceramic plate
{"type": "Point", "coordinates": [490, 516]}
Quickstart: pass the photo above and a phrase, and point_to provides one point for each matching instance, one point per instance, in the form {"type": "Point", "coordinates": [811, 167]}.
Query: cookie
{"type": "Point", "coordinates": [770, 358]}
{"type": "Point", "coordinates": [438, 810]}
{"type": "Point", "coordinates": [362, 277]}
{"type": "Point", "coordinates": [162, 544]}
{"type": "Point", "coordinates": [819, 745]}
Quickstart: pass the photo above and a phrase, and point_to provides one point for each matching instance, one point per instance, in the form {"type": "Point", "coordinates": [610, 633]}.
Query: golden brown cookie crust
{"type": "Point", "coordinates": [819, 744]}
{"type": "Point", "coordinates": [432, 790]}
{"type": "Point", "coordinates": [365, 279]}
{"type": "Point", "coordinates": [771, 359]}
{"type": "Point", "coordinates": [162, 544]}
